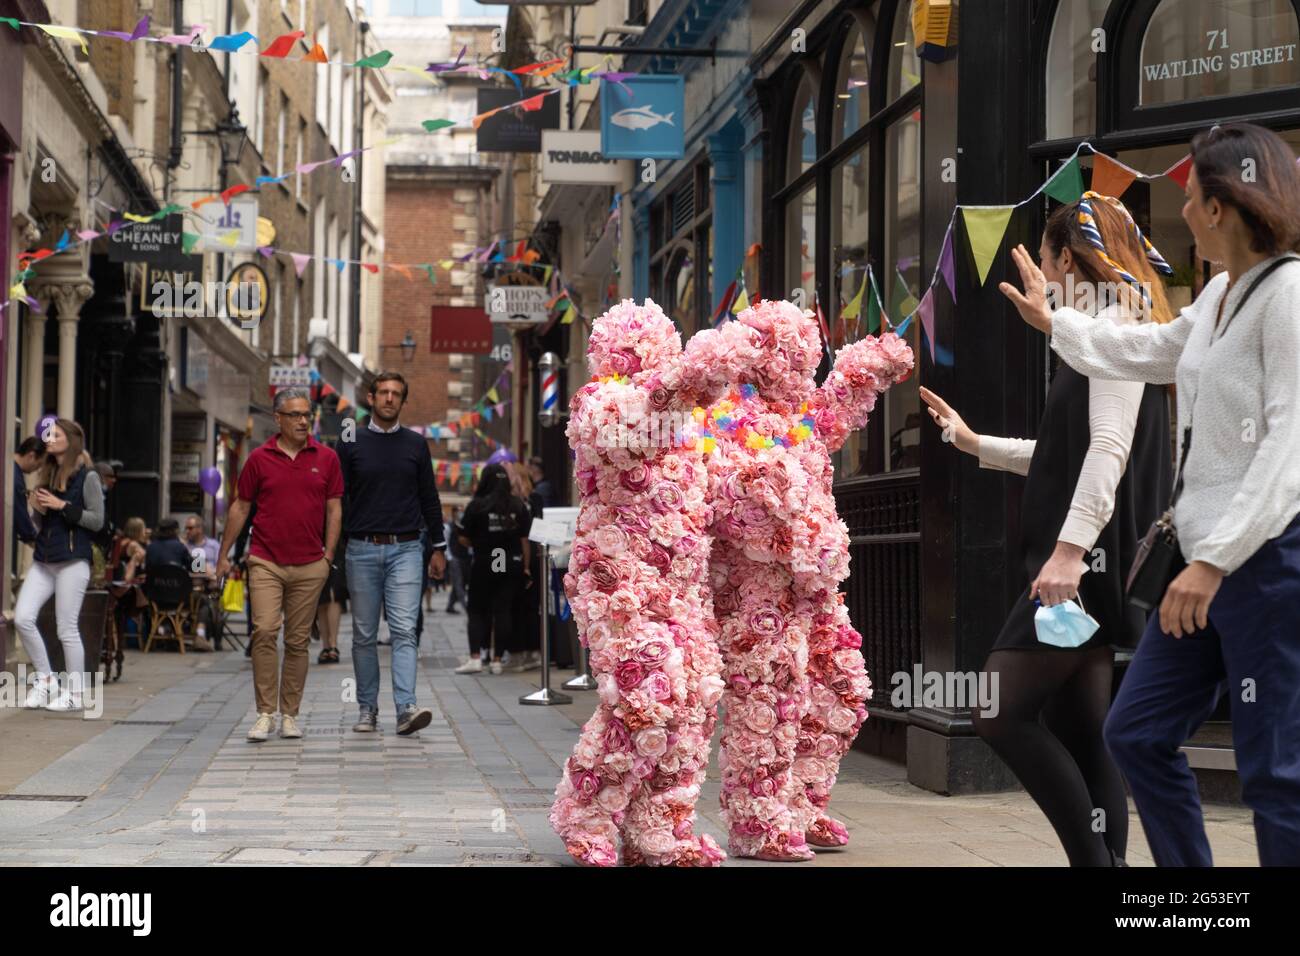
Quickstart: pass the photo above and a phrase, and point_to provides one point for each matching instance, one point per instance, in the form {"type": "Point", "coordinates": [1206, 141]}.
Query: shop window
{"type": "Point", "coordinates": [681, 233]}
{"type": "Point", "coordinates": [852, 95]}
{"type": "Point", "coordinates": [902, 282]}
{"type": "Point", "coordinates": [803, 133]}
{"type": "Point", "coordinates": [1072, 68]}
{"type": "Point", "coordinates": [1192, 50]}
{"type": "Point", "coordinates": [801, 244]}
{"type": "Point", "coordinates": [904, 64]}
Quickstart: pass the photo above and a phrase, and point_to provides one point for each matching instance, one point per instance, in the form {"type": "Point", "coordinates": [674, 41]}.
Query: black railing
{"type": "Point", "coordinates": [883, 592]}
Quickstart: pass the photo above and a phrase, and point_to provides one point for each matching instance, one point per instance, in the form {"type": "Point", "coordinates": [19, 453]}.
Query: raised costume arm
{"type": "Point", "coordinates": [862, 371]}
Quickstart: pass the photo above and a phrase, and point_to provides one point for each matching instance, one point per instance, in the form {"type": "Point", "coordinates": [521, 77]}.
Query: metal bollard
{"type": "Point", "coordinates": [544, 695]}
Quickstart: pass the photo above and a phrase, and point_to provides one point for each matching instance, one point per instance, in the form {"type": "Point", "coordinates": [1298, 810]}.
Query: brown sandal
{"type": "Point", "coordinates": [328, 655]}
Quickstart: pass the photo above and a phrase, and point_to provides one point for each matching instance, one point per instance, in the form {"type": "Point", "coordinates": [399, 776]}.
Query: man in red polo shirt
{"type": "Point", "coordinates": [298, 488]}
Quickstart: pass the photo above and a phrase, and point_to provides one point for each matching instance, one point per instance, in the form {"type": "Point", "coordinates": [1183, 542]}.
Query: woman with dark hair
{"type": "Point", "coordinates": [1229, 618]}
{"type": "Point", "coordinates": [1079, 502]}
{"type": "Point", "coordinates": [496, 523]}
{"type": "Point", "coordinates": [70, 503]}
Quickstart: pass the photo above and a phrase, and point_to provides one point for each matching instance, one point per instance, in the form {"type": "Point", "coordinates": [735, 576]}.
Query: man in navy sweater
{"type": "Point", "coordinates": [388, 490]}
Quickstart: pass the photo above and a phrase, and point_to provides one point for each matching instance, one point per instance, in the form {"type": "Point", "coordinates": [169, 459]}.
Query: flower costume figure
{"type": "Point", "coordinates": [638, 586]}
{"type": "Point", "coordinates": [796, 682]}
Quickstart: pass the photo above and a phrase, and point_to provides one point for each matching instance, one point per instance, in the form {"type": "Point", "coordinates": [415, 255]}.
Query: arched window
{"type": "Point", "coordinates": [801, 209]}
{"type": "Point", "coordinates": [1072, 68]}
{"type": "Point", "coordinates": [852, 83]}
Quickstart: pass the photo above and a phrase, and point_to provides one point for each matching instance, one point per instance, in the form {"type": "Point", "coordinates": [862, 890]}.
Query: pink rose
{"type": "Point", "coordinates": [653, 653]}
{"type": "Point", "coordinates": [841, 720]}
{"type": "Point", "coordinates": [760, 718]}
{"type": "Point", "coordinates": [629, 674]}
{"type": "Point", "coordinates": [604, 575]}
{"type": "Point", "coordinates": [616, 736]}
{"type": "Point", "coordinates": [667, 497]}
{"type": "Point", "coordinates": [585, 784]}
{"type": "Point", "coordinates": [658, 685]}
{"type": "Point", "coordinates": [659, 558]}
{"type": "Point", "coordinates": [767, 623]}
{"type": "Point", "coordinates": [787, 708]}
{"type": "Point", "coordinates": [740, 685]}
{"type": "Point", "coordinates": [636, 478]}
{"type": "Point", "coordinates": [652, 742]}
{"type": "Point", "coordinates": [611, 540]}
{"type": "Point", "coordinates": [624, 363]}
{"type": "Point", "coordinates": [657, 842]}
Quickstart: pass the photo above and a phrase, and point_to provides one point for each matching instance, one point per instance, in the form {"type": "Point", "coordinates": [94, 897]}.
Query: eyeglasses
{"type": "Point", "coordinates": [292, 415]}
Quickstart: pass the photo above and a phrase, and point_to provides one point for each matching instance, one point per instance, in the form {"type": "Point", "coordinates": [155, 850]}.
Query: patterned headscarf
{"type": "Point", "coordinates": [1088, 225]}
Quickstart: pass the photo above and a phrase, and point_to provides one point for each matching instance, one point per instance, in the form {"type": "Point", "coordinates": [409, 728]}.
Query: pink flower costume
{"type": "Point", "coordinates": [796, 682]}
{"type": "Point", "coordinates": [638, 585]}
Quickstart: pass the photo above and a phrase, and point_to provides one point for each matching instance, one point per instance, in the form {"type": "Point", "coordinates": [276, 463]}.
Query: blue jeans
{"type": "Point", "coordinates": [389, 574]}
{"type": "Point", "coordinates": [1250, 650]}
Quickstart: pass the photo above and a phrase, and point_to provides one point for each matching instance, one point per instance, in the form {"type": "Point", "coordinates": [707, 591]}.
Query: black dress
{"type": "Point", "coordinates": [1064, 435]}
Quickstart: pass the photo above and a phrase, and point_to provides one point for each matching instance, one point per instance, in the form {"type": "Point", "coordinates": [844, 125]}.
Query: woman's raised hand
{"type": "Point", "coordinates": [954, 429]}
{"type": "Point", "coordinates": [1032, 303]}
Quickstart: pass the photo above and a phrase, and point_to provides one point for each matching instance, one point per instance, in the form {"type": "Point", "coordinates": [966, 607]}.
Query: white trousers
{"type": "Point", "coordinates": [67, 581]}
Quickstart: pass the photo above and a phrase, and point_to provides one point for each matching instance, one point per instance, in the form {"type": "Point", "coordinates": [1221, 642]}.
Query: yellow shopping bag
{"type": "Point", "coordinates": [232, 596]}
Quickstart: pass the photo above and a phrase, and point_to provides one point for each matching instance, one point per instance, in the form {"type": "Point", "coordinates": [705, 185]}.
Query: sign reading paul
{"type": "Point", "coordinates": [1192, 49]}
{"type": "Point", "coordinates": [643, 117]}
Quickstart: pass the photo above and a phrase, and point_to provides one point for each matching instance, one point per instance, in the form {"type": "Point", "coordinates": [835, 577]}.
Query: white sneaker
{"type": "Point", "coordinates": [262, 727]}
{"type": "Point", "coordinates": [533, 661]}
{"type": "Point", "coordinates": [495, 667]}
{"type": "Point", "coordinates": [472, 666]}
{"type": "Point", "coordinates": [65, 702]}
{"type": "Point", "coordinates": [43, 689]}
{"type": "Point", "coordinates": [289, 727]}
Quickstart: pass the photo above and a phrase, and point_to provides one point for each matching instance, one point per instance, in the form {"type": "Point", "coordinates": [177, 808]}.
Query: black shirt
{"type": "Point", "coordinates": [23, 526]}
{"type": "Point", "coordinates": [489, 529]}
{"type": "Point", "coordinates": [166, 551]}
{"type": "Point", "coordinates": [388, 485]}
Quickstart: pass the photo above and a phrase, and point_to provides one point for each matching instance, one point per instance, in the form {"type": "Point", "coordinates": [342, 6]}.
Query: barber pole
{"type": "Point", "coordinates": [548, 370]}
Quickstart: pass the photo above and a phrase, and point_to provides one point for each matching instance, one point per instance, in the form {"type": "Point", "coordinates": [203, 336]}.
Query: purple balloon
{"type": "Point", "coordinates": [210, 480]}
{"type": "Point", "coordinates": [501, 455]}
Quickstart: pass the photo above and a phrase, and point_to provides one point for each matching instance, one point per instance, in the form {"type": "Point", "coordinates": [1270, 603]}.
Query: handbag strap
{"type": "Point", "coordinates": [1187, 432]}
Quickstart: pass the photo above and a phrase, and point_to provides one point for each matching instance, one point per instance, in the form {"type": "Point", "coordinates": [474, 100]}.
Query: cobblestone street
{"type": "Point", "coordinates": [173, 782]}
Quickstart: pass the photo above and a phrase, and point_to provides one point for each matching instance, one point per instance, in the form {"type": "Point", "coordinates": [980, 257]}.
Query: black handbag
{"type": "Point", "coordinates": [1159, 559]}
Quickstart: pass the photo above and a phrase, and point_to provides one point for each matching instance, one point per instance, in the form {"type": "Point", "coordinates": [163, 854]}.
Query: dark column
{"type": "Point", "coordinates": [976, 111]}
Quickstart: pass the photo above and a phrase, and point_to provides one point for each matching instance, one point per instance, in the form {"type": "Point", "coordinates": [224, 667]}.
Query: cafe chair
{"type": "Point", "coordinates": [167, 589]}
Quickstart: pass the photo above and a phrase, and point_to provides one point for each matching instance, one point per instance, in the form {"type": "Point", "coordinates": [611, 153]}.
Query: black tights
{"type": "Point", "coordinates": [1061, 760]}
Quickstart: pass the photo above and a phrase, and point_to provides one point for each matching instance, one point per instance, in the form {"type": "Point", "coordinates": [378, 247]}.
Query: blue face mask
{"type": "Point", "coordinates": [1064, 625]}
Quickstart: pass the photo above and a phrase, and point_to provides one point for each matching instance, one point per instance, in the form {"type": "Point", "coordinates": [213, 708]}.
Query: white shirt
{"type": "Point", "coordinates": [1239, 389]}
{"type": "Point", "coordinates": [1112, 418]}
{"type": "Point", "coordinates": [370, 423]}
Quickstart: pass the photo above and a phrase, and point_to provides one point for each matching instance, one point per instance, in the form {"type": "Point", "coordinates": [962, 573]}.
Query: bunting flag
{"type": "Point", "coordinates": [854, 308]}
{"type": "Point", "coordinates": [1066, 184]}
{"type": "Point", "coordinates": [266, 251]}
{"type": "Point", "coordinates": [569, 315]}
{"type": "Point", "coordinates": [66, 33]}
{"type": "Point", "coordinates": [1180, 170]}
{"type": "Point", "coordinates": [926, 311]}
{"type": "Point", "coordinates": [299, 262]}
{"type": "Point", "coordinates": [1110, 178]}
{"type": "Point", "coordinates": [231, 238]}
{"type": "Point", "coordinates": [233, 191]}
{"type": "Point", "coordinates": [189, 240]}
{"type": "Point", "coordinates": [140, 32]}
{"type": "Point", "coordinates": [376, 60]}
{"type": "Point", "coordinates": [134, 218]}
{"type": "Point", "coordinates": [875, 308]}
{"type": "Point", "coordinates": [433, 126]}
{"type": "Point", "coordinates": [903, 302]}
{"type": "Point", "coordinates": [428, 270]}
{"type": "Point", "coordinates": [985, 226]}
{"type": "Point", "coordinates": [316, 55]}
{"type": "Point", "coordinates": [230, 44]}
{"type": "Point", "coordinates": [492, 395]}
{"type": "Point", "coordinates": [282, 45]}
{"type": "Point", "coordinates": [182, 39]}
{"type": "Point", "coordinates": [741, 303]}
{"type": "Point", "coordinates": [370, 267]}
{"type": "Point", "coordinates": [946, 263]}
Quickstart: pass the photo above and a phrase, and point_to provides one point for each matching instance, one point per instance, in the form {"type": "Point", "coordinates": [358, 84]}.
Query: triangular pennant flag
{"type": "Point", "coordinates": [852, 310]}
{"type": "Point", "coordinates": [266, 251]}
{"type": "Point", "coordinates": [903, 302]}
{"type": "Point", "coordinates": [231, 238]}
{"type": "Point", "coordinates": [233, 191]}
{"type": "Point", "coordinates": [340, 264]}
{"type": "Point", "coordinates": [85, 235]}
{"type": "Point", "coordinates": [135, 218]}
{"type": "Point", "coordinates": [11, 21]}
{"type": "Point", "coordinates": [946, 264]}
{"type": "Point", "coordinates": [428, 270]}
{"type": "Point", "coordinates": [63, 241]}
{"type": "Point", "coordinates": [447, 264]}
{"type": "Point", "coordinates": [230, 44]}
{"type": "Point", "coordinates": [404, 270]}
{"type": "Point", "coordinates": [376, 60]}
{"type": "Point", "coordinates": [926, 311]}
{"type": "Point", "coordinates": [139, 33]}
{"type": "Point", "coordinates": [188, 241]}
{"type": "Point", "coordinates": [985, 227]}
{"type": "Point", "coordinates": [901, 329]}
{"type": "Point", "coordinates": [741, 304]}
{"type": "Point", "coordinates": [1180, 170]}
{"type": "Point", "coordinates": [166, 211]}
{"type": "Point", "coordinates": [1109, 177]}
{"type": "Point", "coordinates": [182, 39]}
{"type": "Point", "coordinates": [198, 203]}
{"type": "Point", "coordinates": [370, 267]}
{"type": "Point", "coordinates": [317, 54]}
{"type": "Point", "coordinates": [66, 33]}
{"type": "Point", "coordinates": [533, 103]}
{"type": "Point", "coordinates": [487, 414]}
{"type": "Point", "coordinates": [434, 125]}
{"type": "Point", "coordinates": [569, 315]}
{"type": "Point", "coordinates": [492, 395]}
{"type": "Point", "coordinates": [300, 261]}
{"type": "Point", "coordinates": [1066, 184]}
{"type": "Point", "coordinates": [282, 45]}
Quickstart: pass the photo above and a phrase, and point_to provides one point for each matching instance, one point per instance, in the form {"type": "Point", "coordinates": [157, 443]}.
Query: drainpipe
{"type": "Point", "coordinates": [358, 134]}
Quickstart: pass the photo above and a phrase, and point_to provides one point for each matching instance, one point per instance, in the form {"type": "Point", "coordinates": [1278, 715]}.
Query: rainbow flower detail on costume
{"type": "Point", "coordinates": [728, 415]}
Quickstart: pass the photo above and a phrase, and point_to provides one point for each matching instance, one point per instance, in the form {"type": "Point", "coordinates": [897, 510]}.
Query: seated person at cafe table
{"type": "Point", "coordinates": [167, 548]}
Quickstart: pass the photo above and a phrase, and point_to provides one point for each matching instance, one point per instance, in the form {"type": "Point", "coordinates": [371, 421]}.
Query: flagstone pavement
{"type": "Point", "coordinates": [174, 782]}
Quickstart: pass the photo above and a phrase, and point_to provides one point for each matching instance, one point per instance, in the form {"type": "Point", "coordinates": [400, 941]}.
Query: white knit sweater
{"type": "Point", "coordinates": [1240, 391]}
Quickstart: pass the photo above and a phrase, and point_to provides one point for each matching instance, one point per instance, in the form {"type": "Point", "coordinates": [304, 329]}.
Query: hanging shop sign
{"type": "Point", "coordinates": [248, 292]}
{"type": "Point", "coordinates": [219, 219]}
{"type": "Point", "coordinates": [520, 304]}
{"type": "Point", "coordinates": [517, 130]}
{"type": "Point", "coordinates": [643, 118]}
{"type": "Point", "coordinates": [290, 376]}
{"type": "Point", "coordinates": [154, 243]}
{"type": "Point", "coordinates": [574, 156]}
{"type": "Point", "coordinates": [169, 293]}
{"type": "Point", "coordinates": [459, 328]}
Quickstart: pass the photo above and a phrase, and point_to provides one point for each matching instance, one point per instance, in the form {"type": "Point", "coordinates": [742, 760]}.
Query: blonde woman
{"type": "Point", "coordinates": [69, 502]}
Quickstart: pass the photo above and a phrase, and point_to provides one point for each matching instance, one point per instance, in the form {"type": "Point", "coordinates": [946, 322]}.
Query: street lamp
{"type": "Point", "coordinates": [407, 346]}
{"type": "Point", "coordinates": [231, 135]}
